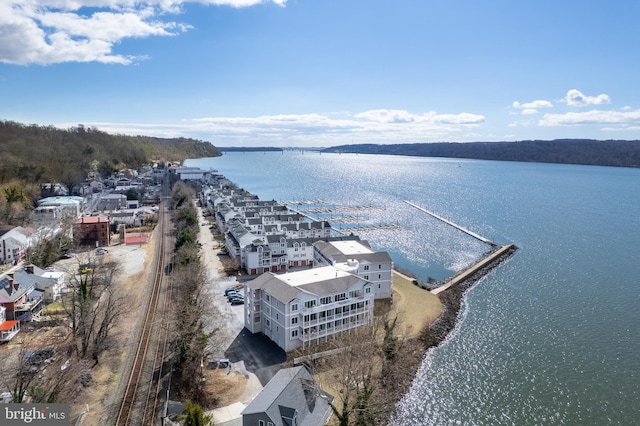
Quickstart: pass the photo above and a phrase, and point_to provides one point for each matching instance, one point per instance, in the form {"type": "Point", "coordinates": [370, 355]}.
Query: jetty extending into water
{"type": "Point", "coordinates": [448, 222]}
{"type": "Point", "coordinates": [488, 262]}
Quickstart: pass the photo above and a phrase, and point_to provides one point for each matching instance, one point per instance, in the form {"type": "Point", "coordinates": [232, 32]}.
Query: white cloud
{"type": "Point", "coordinates": [532, 105]}
{"type": "Point", "coordinates": [56, 31]}
{"type": "Point", "coordinates": [529, 111]}
{"type": "Point", "coordinates": [576, 98]}
{"type": "Point", "coordinates": [401, 116]}
{"type": "Point", "coordinates": [375, 126]}
{"type": "Point", "coordinates": [591, 117]}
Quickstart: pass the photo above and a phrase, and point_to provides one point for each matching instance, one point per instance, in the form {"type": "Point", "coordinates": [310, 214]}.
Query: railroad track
{"type": "Point", "coordinates": [144, 392]}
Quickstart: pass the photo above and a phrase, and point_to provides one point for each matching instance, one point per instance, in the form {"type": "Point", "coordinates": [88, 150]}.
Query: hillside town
{"type": "Point", "coordinates": [103, 208]}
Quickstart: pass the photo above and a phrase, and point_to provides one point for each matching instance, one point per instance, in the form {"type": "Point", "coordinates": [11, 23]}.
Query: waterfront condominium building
{"type": "Point", "coordinates": [302, 308]}
{"type": "Point", "coordinates": [357, 257]}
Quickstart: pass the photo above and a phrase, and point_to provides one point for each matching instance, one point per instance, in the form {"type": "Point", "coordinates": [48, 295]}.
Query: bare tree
{"type": "Point", "coordinates": [35, 373]}
{"type": "Point", "coordinates": [93, 305]}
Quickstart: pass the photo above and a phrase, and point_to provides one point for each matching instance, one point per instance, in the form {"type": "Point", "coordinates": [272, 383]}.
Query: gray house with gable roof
{"type": "Point", "coordinates": [290, 398]}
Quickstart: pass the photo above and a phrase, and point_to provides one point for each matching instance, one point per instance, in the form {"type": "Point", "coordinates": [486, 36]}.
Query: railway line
{"type": "Point", "coordinates": [148, 378]}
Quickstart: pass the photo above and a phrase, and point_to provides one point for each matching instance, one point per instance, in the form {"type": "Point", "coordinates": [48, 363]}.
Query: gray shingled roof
{"type": "Point", "coordinates": [292, 390]}
{"type": "Point", "coordinates": [283, 286]}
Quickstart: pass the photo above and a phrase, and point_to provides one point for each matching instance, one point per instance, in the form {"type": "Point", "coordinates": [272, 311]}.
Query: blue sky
{"type": "Point", "coordinates": [325, 72]}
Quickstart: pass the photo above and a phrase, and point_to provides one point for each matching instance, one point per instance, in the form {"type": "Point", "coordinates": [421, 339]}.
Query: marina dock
{"type": "Point", "coordinates": [448, 222]}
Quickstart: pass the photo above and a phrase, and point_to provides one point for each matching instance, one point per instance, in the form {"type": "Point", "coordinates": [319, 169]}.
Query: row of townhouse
{"type": "Point", "coordinates": [261, 235]}
{"type": "Point", "coordinates": [265, 236]}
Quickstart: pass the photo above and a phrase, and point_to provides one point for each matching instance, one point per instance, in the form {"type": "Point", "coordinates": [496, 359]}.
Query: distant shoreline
{"type": "Point", "coordinates": [588, 152]}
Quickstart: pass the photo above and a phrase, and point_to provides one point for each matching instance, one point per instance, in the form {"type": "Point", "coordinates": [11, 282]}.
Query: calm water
{"type": "Point", "coordinates": [552, 336]}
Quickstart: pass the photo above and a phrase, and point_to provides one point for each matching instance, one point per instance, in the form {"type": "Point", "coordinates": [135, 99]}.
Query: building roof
{"type": "Point", "coordinates": [60, 201]}
{"type": "Point", "coordinates": [19, 234]}
{"type": "Point", "coordinates": [319, 281]}
{"type": "Point", "coordinates": [292, 392]}
{"type": "Point", "coordinates": [92, 219]}
{"type": "Point", "coordinates": [342, 251]}
{"type": "Point", "coordinates": [8, 325]}
{"type": "Point", "coordinates": [11, 290]}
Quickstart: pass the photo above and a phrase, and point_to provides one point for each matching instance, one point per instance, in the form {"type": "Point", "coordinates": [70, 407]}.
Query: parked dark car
{"type": "Point", "coordinates": [237, 300]}
{"type": "Point", "coordinates": [233, 289]}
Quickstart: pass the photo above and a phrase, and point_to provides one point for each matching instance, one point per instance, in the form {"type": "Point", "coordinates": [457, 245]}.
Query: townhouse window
{"type": "Point", "coordinates": [294, 307]}
{"type": "Point", "coordinates": [294, 333]}
{"type": "Point", "coordinates": [368, 289]}
{"type": "Point", "coordinates": [310, 304]}
{"type": "Point", "coordinates": [260, 422]}
{"type": "Point", "coordinates": [294, 320]}
{"type": "Point", "coordinates": [366, 277]}
{"type": "Point", "coordinates": [325, 300]}
{"type": "Point", "coordinates": [366, 267]}
{"type": "Point", "coordinates": [339, 297]}
{"type": "Point", "coordinates": [379, 276]}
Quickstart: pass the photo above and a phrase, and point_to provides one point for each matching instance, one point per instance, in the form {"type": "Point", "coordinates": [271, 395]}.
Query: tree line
{"type": "Point", "coordinates": [35, 154]}
{"type": "Point", "coordinates": [31, 155]}
{"type": "Point", "coordinates": [617, 153]}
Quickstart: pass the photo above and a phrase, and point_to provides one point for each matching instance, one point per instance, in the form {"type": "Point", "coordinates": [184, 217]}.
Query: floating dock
{"type": "Point", "coordinates": [365, 228]}
{"type": "Point", "coordinates": [448, 222]}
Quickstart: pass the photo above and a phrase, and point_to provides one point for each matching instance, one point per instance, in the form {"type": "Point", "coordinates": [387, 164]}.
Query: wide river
{"type": "Point", "coordinates": [551, 337]}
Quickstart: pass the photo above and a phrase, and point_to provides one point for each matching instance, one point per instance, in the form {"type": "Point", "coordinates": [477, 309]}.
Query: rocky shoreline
{"type": "Point", "coordinates": [434, 334]}
{"type": "Point", "coordinates": [451, 299]}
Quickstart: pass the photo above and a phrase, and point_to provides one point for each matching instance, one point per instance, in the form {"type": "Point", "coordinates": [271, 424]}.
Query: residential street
{"type": "Point", "coordinates": [253, 356]}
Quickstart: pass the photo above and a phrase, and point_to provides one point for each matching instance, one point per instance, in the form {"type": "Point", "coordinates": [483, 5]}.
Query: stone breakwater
{"type": "Point", "coordinates": [451, 297]}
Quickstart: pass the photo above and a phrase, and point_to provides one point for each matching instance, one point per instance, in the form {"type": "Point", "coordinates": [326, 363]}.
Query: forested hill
{"type": "Point", "coordinates": [619, 153]}
{"type": "Point", "coordinates": [32, 153]}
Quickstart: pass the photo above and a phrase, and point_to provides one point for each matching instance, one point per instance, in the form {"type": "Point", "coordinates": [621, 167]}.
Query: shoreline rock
{"type": "Point", "coordinates": [451, 299]}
